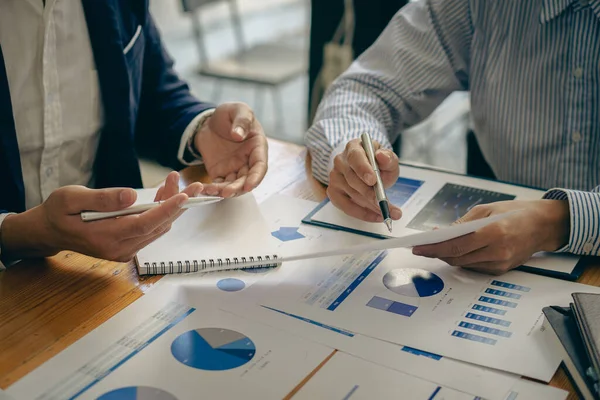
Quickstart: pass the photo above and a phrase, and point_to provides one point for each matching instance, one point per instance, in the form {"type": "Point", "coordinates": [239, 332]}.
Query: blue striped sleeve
{"type": "Point", "coordinates": [420, 58]}
{"type": "Point", "coordinates": [584, 207]}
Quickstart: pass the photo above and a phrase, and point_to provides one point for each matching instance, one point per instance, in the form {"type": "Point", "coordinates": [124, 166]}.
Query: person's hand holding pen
{"type": "Point", "coordinates": [352, 181]}
{"type": "Point", "coordinates": [56, 224]}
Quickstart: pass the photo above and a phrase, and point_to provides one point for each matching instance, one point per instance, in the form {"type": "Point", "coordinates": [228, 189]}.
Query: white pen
{"type": "Point", "coordinates": [88, 216]}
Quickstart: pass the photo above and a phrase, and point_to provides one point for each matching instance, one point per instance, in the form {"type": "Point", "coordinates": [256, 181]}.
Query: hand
{"type": "Point", "coordinates": [234, 149]}
{"type": "Point", "coordinates": [541, 225]}
{"type": "Point", "coordinates": [56, 224]}
{"type": "Point", "coordinates": [352, 179]}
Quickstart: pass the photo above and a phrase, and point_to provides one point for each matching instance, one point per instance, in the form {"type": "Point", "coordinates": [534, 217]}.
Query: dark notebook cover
{"type": "Point", "coordinates": [564, 327]}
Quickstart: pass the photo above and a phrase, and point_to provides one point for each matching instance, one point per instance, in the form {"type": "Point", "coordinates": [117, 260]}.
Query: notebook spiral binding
{"type": "Point", "coordinates": [187, 266]}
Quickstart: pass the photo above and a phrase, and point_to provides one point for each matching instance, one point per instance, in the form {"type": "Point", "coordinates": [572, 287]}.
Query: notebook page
{"type": "Point", "coordinates": [230, 229]}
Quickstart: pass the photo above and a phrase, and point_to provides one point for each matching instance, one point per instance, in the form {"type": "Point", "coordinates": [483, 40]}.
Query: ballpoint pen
{"type": "Point", "coordinates": [140, 208]}
{"type": "Point", "coordinates": [367, 144]}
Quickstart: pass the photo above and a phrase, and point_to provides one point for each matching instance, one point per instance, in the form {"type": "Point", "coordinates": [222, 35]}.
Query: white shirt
{"type": "Point", "coordinates": [55, 94]}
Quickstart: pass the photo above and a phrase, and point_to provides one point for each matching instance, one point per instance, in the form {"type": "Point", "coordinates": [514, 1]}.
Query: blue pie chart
{"type": "Point", "coordinates": [213, 349]}
{"type": "Point", "coordinates": [413, 282]}
{"type": "Point", "coordinates": [137, 393]}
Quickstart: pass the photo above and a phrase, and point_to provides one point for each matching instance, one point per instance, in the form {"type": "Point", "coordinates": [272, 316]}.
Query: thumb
{"type": "Point", "coordinates": [386, 159]}
{"type": "Point", "coordinates": [79, 198]}
{"type": "Point", "coordinates": [474, 213]}
{"type": "Point", "coordinates": [242, 119]}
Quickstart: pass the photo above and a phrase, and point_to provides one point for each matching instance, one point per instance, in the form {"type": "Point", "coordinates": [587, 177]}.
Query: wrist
{"type": "Point", "coordinates": [201, 130]}
{"type": "Point", "coordinates": [25, 235]}
{"type": "Point", "coordinates": [558, 223]}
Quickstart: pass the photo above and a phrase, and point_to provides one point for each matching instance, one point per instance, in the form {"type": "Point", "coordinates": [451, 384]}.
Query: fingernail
{"type": "Point", "coordinates": [368, 178]}
{"type": "Point", "coordinates": [417, 252]}
{"type": "Point", "coordinates": [181, 201]}
{"type": "Point", "coordinates": [239, 131]}
{"type": "Point", "coordinates": [125, 197]}
{"type": "Point", "coordinates": [396, 213]}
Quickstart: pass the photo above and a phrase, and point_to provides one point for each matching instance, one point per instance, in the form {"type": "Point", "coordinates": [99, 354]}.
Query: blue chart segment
{"type": "Point", "coordinates": [491, 310]}
{"type": "Point", "coordinates": [475, 338]}
{"type": "Point", "coordinates": [450, 203]}
{"type": "Point", "coordinates": [510, 286]}
{"type": "Point", "coordinates": [489, 320]}
{"type": "Point", "coordinates": [137, 393]}
{"type": "Point", "coordinates": [287, 233]}
{"type": "Point", "coordinates": [262, 270]}
{"type": "Point", "coordinates": [498, 302]}
{"type": "Point", "coordinates": [485, 329]}
{"type": "Point", "coordinates": [418, 352]}
{"type": "Point", "coordinates": [402, 190]}
{"type": "Point", "coordinates": [395, 307]}
{"type": "Point", "coordinates": [231, 285]}
{"type": "Point", "coordinates": [413, 282]}
{"type": "Point", "coordinates": [503, 293]}
{"type": "Point", "coordinates": [213, 349]}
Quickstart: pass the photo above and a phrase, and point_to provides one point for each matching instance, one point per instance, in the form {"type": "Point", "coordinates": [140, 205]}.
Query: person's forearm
{"type": "Point", "coordinates": [24, 236]}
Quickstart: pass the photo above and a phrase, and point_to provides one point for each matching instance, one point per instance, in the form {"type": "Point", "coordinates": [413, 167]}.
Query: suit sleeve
{"type": "Point", "coordinates": [167, 107]}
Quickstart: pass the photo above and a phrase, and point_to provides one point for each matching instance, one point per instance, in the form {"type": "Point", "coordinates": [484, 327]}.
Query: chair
{"type": "Point", "coordinates": [267, 65]}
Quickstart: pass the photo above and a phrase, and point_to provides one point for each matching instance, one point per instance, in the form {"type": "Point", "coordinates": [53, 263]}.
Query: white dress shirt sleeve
{"type": "Point", "coordinates": [187, 153]}
{"type": "Point", "coordinates": [420, 58]}
{"type": "Point", "coordinates": [584, 208]}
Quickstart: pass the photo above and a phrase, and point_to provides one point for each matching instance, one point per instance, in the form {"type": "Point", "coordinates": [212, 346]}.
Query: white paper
{"type": "Point", "coordinates": [431, 182]}
{"type": "Point", "coordinates": [350, 292]}
{"type": "Point", "coordinates": [228, 229]}
{"type": "Point", "coordinates": [348, 377]}
{"type": "Point", "coordinates": [273, 361]}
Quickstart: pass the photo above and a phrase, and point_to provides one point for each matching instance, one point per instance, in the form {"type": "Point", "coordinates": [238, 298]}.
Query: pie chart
{"type": "Point", "coordinates": [137, 393]}
{"type": "Point", "coordinates": [413, 282]}
{"type": "Point", "coordinates": [213, 349]}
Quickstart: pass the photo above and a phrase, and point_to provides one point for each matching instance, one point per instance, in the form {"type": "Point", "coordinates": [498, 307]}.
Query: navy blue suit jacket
{"type": "Point", "coordinates": [146, 106]}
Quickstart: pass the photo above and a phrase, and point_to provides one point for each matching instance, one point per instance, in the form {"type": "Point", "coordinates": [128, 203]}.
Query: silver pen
{"type": "Point", "coordinates": [382, 199]}
{"type": "Point", "coordinates": [88, 216]}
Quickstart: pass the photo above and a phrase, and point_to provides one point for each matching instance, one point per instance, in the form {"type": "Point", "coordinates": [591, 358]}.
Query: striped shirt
{"type": "Point", "coordinates": [533, 70]}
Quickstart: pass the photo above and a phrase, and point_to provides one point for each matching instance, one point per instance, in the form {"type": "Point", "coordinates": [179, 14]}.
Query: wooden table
{"type": "Point", "coordinates": [46, 305]}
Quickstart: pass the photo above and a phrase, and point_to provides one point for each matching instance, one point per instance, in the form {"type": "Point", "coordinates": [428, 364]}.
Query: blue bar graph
{"type": "Point", "coordinates": [394, 307]}
{"type": "Point", "coordinates": [511, 286]}
{"type": "Point", "coordinates": [497, 302]}
{"type": "Point", "coordinates": [489, 320]}
{"type": "Point", "coordinates": [491, 310]}
{"type": "Point", "coordinates": [503, 293]}
{"type": "Point", "coordinates": [475, 338]}
{"type": "Point", "coordinates": [485, 329]}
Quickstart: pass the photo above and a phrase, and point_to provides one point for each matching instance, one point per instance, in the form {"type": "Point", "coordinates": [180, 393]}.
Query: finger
{"type": "Point", "coordinates": [233, 188]}
{"type": "Point", "coordinates": [143, 224]}
{"type": "Point", "coordinates": [218, 180]}
{"type": "Point", "coordinates": [193, 190]}
{"type": "Point", "coordinates": [387, 161]}
{"type": "Point", "coordinates": [243, 171]}
{"type": "Point", "coordinates": [158, 195]}
{"type": "Point", "coordinates": [258, 162]}
{"type": "Point", "coordinates": [477, 212]}
{"type": "Point", "coordinates": [358, 161]}
{"type": "Point", "coordinates": [344, 203]}
{"type": "Point", "coordinates": [231, 177]}
{"type": "Point", "coordinates": [483, 255]}
{"type": "Point", "coordinates": [80, 198]}
{"type": "Point", "coordinates": [338, 181]}
{"type": "Point", "coordinates": [353, 179]}
{"type": "Point", "coordinates": [242, 119]}
{"type": "Point", "coordinates": [171, 187]}
{"type": "Point", "coordinates": [455, 247]}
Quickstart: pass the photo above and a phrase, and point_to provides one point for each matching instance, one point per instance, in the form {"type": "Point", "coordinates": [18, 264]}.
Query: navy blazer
{"type": "Point", "coordinates": [146, 106]}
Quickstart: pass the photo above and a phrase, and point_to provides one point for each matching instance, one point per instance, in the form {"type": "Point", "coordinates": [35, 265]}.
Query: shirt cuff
{"type": "Point", "coordinates": [187, 154]}
{"type": "Point", "coordinates": [4, 262]}
{"type": "Point", "coordinates": [584, 209]}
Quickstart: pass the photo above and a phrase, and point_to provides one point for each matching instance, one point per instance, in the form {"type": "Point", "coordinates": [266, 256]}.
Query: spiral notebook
{"type": "Point", "coordinates": [231, 234]}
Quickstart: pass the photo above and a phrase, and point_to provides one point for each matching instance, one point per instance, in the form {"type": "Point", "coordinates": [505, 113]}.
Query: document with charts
{"type": "Point", "coordinates": [426, 304]}
{"type": "Point", "coordinates": [430, 199]}
{"type": "Point", "coordinates": [162, 347]}
{"type": "Point", "coordinates": [348, 377]}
